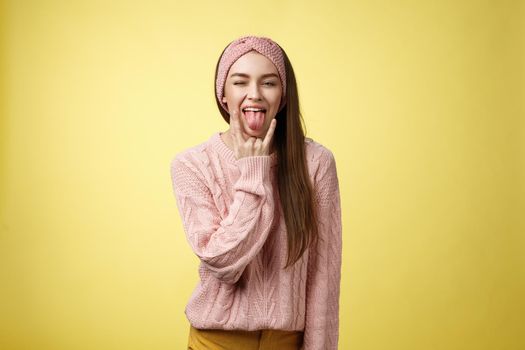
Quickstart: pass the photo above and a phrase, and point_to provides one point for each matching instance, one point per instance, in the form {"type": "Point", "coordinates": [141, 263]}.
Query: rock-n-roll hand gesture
{"type": "Point", "coordinates": [253, 146]}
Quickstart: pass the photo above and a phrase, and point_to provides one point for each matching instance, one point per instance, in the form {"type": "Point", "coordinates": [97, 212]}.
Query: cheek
{"type": "Point", "coordinates": [277, 102]}
{"type": "Point", "coordinates": [235, 96]}
{"type": "Point", "coordinates": [277, 96]}
{"type": "Point", "coordinates": [273, 97]}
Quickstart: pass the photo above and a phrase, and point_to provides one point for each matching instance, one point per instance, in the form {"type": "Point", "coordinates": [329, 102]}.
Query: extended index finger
{"type": "Point", "coordinates": [236, 126]}
{"type": "Point", "coordinates": [269, 134]}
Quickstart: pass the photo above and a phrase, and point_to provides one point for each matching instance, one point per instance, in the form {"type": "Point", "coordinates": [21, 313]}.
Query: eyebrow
{"type": "Point", "coordinates": [244, 75]}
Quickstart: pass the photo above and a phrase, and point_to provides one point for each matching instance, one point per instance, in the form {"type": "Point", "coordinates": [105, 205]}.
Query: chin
{"type": "Point", "coordinates": [260, 132]}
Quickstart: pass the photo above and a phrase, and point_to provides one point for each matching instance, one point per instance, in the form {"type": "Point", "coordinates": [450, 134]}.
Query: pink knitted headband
{"type": "Point", "coordinates": [239, 47]}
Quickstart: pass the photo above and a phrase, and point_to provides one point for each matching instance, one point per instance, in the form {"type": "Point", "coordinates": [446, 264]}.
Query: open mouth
{"type": "Point", "coordinates": [254, 117]}
{"type": "Point", "coordinates": [249, 109]}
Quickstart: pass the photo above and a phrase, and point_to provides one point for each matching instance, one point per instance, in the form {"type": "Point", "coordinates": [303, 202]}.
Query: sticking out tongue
{"type": "Point", "coordinates": [255, 119]}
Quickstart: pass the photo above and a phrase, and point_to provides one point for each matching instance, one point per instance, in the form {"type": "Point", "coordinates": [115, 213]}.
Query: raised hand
{"type": "Point", "coordinates": [250, 146]}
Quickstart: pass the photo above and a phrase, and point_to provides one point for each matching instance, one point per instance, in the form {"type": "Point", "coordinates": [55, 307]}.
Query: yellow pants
{"type": "Point", "coordinates": [216, 339]}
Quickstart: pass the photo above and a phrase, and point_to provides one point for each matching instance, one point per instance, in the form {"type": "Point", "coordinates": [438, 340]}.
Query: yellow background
{"type": "Point", "coordinates": [422, 103]}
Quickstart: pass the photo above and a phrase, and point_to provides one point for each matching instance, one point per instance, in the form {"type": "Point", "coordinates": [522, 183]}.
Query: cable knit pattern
{"type": "Point", "coordinates": [233, 222]}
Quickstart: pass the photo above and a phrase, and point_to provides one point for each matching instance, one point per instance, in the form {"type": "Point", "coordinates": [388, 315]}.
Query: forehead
{"type": "Point", "coordinates": [253, 63]}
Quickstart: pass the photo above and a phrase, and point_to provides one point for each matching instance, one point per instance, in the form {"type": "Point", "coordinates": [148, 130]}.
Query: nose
{"type": "Point", "coordinates": [254, 93]}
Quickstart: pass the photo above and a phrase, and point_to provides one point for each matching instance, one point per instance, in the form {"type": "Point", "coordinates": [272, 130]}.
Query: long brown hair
{"type": "Point", "coordinates": [295, 188]}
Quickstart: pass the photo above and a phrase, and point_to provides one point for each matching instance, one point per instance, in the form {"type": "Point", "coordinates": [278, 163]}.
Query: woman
{"type": "Point", "coordinates": [260, 207]}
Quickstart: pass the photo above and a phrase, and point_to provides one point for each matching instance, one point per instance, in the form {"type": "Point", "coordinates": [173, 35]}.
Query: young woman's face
{"type": "Point", "coordinates": [253, 80]}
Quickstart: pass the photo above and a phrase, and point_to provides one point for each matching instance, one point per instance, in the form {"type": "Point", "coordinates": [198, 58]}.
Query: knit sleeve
{"type": "Point", "coordinates": [324, 263]}
{"type": "Point", "coordinates": [225, 245]}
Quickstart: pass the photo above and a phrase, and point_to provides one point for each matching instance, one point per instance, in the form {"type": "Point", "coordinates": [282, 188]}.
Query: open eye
{"type": "Point", "coordinates": [270, 83]}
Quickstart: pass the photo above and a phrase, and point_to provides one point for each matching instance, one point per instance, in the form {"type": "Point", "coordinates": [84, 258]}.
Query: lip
{"type": "Point", "coordinates": [254, 106]}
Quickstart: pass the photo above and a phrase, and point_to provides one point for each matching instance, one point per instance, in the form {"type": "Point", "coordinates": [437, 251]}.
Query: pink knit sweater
{"type": "Point", "coordinates": [233, 222]}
